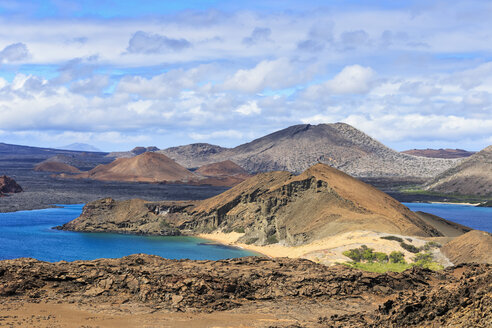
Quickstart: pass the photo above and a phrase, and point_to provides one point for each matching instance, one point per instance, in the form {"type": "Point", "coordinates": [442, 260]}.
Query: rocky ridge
{"type": "Point", "coordinates": [298, 147]}
{"type": "Point", "coordinates": [457, 296]}
{"type": "Point", "coordinates": [471, 177]}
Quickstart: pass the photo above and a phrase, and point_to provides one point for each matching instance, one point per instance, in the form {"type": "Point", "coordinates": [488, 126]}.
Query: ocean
{"type": "Point", "coordinates": [29, 234]}
{"type": "Point", "coordinates": [479, 218]}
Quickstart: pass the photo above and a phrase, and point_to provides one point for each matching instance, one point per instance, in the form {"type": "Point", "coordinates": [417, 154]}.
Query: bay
{"type": "Point", "coordinates": [479, 218]}
{"type": "Point", "coordinates": [30, 234]}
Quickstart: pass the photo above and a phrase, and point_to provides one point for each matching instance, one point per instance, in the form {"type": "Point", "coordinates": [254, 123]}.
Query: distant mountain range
{"type": "Point", "coordinates": [80, 147]}
{"type": "Point", "coordinates": [298, 147]}
{"type": "Point", "coordinates": [473, 176]}
{"type": "Point", "coordinates": [439, 153]}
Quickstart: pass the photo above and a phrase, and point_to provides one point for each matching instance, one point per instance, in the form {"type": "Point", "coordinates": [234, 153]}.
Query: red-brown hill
{"type": "Point", "coordinates": [147, 167]}
{"type": "Point", "coordinates": [57, 167]}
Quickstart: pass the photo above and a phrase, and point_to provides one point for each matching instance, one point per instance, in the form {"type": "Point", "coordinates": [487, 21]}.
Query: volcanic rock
{"type": "Point", "coordinates": [472, 177]}
{"type": "Point", "coordinates": [8, 185]}
{"type": "Point", "coordinates": [333, 296]}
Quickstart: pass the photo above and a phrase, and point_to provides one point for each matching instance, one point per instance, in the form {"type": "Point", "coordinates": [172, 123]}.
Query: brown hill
{"type": "Point", "coordinates": [225, 168]}
{"type": "Point", "coordinates": [134, 152]}
{"type": "Point", "coordinates": [439, 153]}
{"type": "Point", "coordinates": [147, 167]}
{"type": "Point", "coordinates": [296, 148]}
{"type": "Point", "coordinates": [8, 185]}
{"type": "Point", "coordinates": [282, 207]}
{"type": "Point", "coordinates": [58, 167]}
{"type": "Point", "coordinates": [226, 173]}
{"type": "Point", "coordinates": [471, 177]}
{"type": "Point", "coordinates": [474, 246]}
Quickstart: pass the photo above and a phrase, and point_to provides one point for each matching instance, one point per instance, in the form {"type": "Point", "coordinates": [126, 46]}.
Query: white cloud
{"type": "Point", "coordinates": [217, 134]}
{"type": "Point", "coordinates": [250, 108]}
{"type": "Point", "coordinates": [268, 74]}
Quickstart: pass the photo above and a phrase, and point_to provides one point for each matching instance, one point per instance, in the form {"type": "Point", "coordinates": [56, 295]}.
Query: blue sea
{"type": "Point", "coordinates": [29, 234]}
{"type": "Point", "coordinates": [479, 218]}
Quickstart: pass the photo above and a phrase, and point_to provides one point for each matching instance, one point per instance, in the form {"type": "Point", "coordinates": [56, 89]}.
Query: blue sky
{"type": "Point", "coordinates": [117, 74]}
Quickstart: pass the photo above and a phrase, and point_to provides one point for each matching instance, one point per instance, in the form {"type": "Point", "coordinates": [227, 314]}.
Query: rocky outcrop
{"type": "Point", "coordinates": [129, 216]}
{"type": "Point", "coordinates": [472, 177]}
{"type": "Point", "coordinates": [8, 185]}
{"type": "Point", "coordinates": [298, 147]}
{"type": "Point", "coordinates": [276, 207]}
{"type": "Point", "coordinates": [474, 246]}
{"type": "Point", "coordinates": [439, 153]}
{"type": "Point", "coordinates": [455, 297]}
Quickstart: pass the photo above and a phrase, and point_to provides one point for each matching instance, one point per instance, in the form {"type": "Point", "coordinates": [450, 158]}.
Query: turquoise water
{"type": "Point", "coordinates": [29, 234]}
{"type": "Point", "coordinates": [479, 218]}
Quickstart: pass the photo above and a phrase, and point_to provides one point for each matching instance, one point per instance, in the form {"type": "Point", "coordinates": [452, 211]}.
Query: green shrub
{"type": "Point", "coordinates": [396, 257]}
{"type": "Point", "coordinates": [395, 238]}
{"type": "Point", "coordinates": [429, 245]}
{"type": "Point", "coordinates": [423, 258]}
{"type": "Point", "coordinates": [239, 230]}
{"type": "Point", "coordinates": [410, 248]}
{"type": "Point", "coordinates": [353, 254]}
{"type": "Point", "coordinates": [381, 257]}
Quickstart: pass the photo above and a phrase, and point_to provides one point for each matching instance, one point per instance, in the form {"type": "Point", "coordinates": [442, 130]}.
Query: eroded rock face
{"type": "Point", "coordinates": [8, 185]}
{"type": "Point", "coordinates": [416, 297]}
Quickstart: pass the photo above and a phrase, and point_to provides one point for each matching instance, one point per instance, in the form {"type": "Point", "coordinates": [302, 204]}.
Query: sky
{"type": "Point", "coordinates": [120, 74]}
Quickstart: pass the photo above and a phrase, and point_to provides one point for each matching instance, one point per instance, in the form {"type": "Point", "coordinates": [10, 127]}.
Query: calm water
{"type": "Point", "coordinates": [479, 218]}
{"type": "Point", "coordinates": [29, 234]}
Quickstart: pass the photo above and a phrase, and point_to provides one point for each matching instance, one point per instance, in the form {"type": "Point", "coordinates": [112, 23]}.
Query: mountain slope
{"type": "Point", "coordinates": [471, 177]}
{"type": "Point", "coordinates": [298, 147]}
{"type": "Point", "coordinates": [147, 167]}
{"type": "Point", "coordinates": [474, 246]}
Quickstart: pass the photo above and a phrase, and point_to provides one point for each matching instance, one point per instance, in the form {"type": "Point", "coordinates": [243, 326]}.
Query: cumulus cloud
{"type": "Point", "coordinates": [149, 43]}
{"type": "Point", "coordinates": [250, 108]}
{"type": "Point", "coordinates": [354, 79]}
{"type": "Point", "coordinates": [268, 74]}
{"type": "Point", "coordinates": [14, 52]}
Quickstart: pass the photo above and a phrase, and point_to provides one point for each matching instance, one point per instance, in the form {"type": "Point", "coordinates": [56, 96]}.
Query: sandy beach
{"type": "Point", "coordinates": [327, 250]}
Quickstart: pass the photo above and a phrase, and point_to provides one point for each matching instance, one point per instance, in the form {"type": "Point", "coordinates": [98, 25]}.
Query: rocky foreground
{"type": "Point", "coordinates": [292, 292]}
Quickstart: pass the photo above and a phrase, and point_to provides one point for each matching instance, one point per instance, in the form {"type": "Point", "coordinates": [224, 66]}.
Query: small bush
{"type": "Point", "coordinates": [396, 257]}
{"type": "Point", "coordinates": [395, 238]}
{"type": "Point", "coordinates": [422, 258]}
{"type": "Point", "coordinates": [431, 244]}
{"type": "Point", "coordinates": [353, 254]}
{"type": "Point", "coordinates": [381, 257]}
{"type": "Point", "coordinates": [239, 230]}
{"type": "Point", "coordinates": [410, 248]}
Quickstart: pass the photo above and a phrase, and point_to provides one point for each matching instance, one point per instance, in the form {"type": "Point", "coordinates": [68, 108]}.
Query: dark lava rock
{"type": "Point", "coordinates": [8, 185]}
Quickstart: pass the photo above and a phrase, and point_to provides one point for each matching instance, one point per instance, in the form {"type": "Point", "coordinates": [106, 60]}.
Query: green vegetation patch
{"type": "Point", "coordinates": [395, 238]}
{"type": "Point", "coordinates": [364, 258]}
{"type": "Point", "coordinates": [409, 247]}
